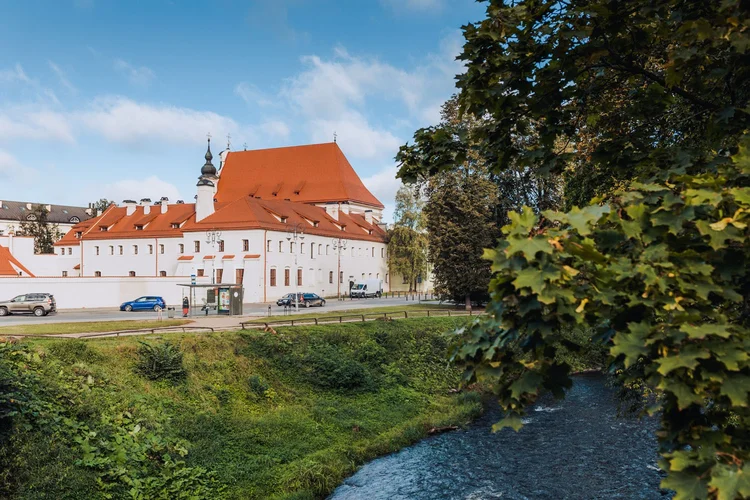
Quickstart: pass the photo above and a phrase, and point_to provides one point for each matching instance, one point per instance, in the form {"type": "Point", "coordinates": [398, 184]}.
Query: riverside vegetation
{"type": "Point", "coordinates": [229, 415]}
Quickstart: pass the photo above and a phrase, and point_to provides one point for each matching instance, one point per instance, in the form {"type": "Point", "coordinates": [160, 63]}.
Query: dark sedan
{"type": "Point", "coordinates": [311, 299]}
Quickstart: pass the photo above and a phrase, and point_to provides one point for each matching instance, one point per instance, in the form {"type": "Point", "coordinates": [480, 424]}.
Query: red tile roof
{"type": "Point", "coordinates": [9, 265]}
{"type": "Point", "coordinates": [252, 213]}
{"type": "Point", "coordinates": [314, 173]}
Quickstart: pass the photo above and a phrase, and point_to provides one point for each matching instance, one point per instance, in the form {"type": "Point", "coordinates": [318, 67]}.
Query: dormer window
{"type": "Point", "coordinates": [74, 220]}
{"type": "Point", "coordinates": [79, 234]}
{"type": "Point", "coordinates": [139, 227]}
{"type": "Point", "coordinates": [283, 220]}
{"type": "Point", "coordinates": [316, 224]}
{"type": "Point", "coordinates": [31, 217]}
{"type": "Point", "coordinates": [175, 225]}
{"type": "Point", "coordinates": [103, 228]}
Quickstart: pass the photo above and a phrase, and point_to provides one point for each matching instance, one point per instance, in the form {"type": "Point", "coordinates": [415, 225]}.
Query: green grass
{"type": "Point", "coordinates": [261, 415]}
{"type": "Point", "coordinates": [321, 312]}
{"type": "Point", "coordinates": [87, 327]}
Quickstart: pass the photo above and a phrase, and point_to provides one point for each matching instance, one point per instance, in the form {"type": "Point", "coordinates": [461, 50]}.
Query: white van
{"type": "Point", "coordinates": [367, 288]}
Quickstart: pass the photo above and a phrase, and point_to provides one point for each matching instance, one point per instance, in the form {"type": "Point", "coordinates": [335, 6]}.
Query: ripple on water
{"type": "Point", "coordinates": [576, 448]}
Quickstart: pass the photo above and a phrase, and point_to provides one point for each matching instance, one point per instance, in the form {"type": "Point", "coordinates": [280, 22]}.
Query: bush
{"type": "Point", "coordinates": [331, 368]}
{"type": "Point", "coordinates": [160, 362]}
{"type": "Point", "coordinates": [72, 351]}
{"type": "Point", "coordinates": [258, 385]}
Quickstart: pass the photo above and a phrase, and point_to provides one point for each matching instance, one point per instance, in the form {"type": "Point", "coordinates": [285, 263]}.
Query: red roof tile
{"type": "Point", "coordinates": [185, 257]}
{"type": "Point", "coordinates": [314, 173]}
{"type": "Point", "coordinates": [228, 257]}
{"type": "Point", "coordinates": [9, 265]}
{"type": "Point", "coordinates": [208, 257]}
{"type": "Point", "coordinates": [253, 256]}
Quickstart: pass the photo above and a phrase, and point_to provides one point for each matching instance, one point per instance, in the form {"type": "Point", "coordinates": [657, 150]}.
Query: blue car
{"type": "Point", "coordinates": [144, 304]}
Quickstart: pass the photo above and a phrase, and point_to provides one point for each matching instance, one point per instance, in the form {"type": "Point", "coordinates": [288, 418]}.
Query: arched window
{"type": "Point", "coordinates": [163, 274]}
{"type": "Point", "coordinates": [98, 274]}
{"type": "Point", "coordinates": [75, 220]}
{"type": "Point", "coordinates": [31, 217]}
{"type": "Point", "coordinates": [131, 274]}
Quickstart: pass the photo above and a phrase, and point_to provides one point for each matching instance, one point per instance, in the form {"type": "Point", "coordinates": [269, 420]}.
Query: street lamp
{"type": "Point", "coordinates": [212, 237]}
{"type": "Point", "coordinates": [338, 246]}
{"type": "Point", "coordinates": [295, 234]}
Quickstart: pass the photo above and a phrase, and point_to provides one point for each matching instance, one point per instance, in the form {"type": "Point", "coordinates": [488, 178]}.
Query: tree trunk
{"type": "Point", "coordinates": [468, 302]}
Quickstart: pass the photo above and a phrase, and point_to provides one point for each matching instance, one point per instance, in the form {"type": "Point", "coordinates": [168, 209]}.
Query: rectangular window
{"type": "Point", "coordinates": [181, 247]}
{"type": "Point", "coordinates": [302, 248]}
{"type": "Point", "coordinates": [65, 274]}
{"type": "Point", "coordinates": [273, 276]}
{"type": "Point", "coordinates": [268, 246]}
{"type": "Point", "coordinates": [96, 250]}
{"type": "Point", "coordinates": [119, 250]}
{"type": "Point", "coordinates": [239, 276]}
{"type": "Point", "coordinates": [151, 249]}
{"type": "Point", "coordinates": [98, 274]}
{"type": "Point", "coordinates": [291, 247]}
{"type": "Point", "coordinates": [320, 249]}
{"type": "Point", "coordinates": [111, 250]}
{"type": "Point", "coordinates": [161, 249]}
{"type": "Point", "coordinates": [135, 249]}
{"type": "Point", "coordinates": [221, 245]}
{"type": "Point", "coordinates": [330, 277]}
{"type": "Point", "coordinates": [70, 251]}
{"type": "Point", "coordinates": [382, 253]}
{"type": "Point", "coordinates": [219, 275]}
{"type": "Point", "coordinates": [281, 246]}
{"type": "Point", "coordinates": [200, 272]}
{"type": "Point", "coordinates": [386, 278]}
{"type": "Point", "coordinates": [341, 276]}
{"type": "Point", "coordinates": [245, 245]}
{"type": "Point", "coordinates": [197, 246]}
{"type": "Point", "coordinates": [286, 277]}
{"type": "Point", "coordinates": [139, 227]}
{"type": "Point", "coordinates": [328, 249]}
{"type": "Point", "coordinates": [299, 276]}
{"type": "Point", "coordinates": [131, 274]}
{"type": "Point", "coordinates": [373, 251]}
{"type": "Point", "coordinates": [163, 274]}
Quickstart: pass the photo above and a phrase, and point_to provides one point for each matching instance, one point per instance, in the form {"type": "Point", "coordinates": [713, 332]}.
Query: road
{"type": "Point", "coordinates": [82, 315]}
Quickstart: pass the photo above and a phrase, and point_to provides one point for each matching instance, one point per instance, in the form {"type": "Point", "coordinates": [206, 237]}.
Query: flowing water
{"type": "Point", "coordinates": [577, 448]}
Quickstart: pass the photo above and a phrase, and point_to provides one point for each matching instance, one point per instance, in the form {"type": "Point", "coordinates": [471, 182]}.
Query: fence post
{"type": "Point", "coordinates": [428, 313]}
{"type": "Point", "coordinates": [449, 312]}
{"type": "Point", "coordinates": [292, 322]}
{"type": "Point", "coordinates": [406, 314]}
{"type": "Point", "coordinates": [341, 319]}
{"type": "Point", "coordinates": [363, 318]}
{"type": "Point", "coordinates": [316, 321]}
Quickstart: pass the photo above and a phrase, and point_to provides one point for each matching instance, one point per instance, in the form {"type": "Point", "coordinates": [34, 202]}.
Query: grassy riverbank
{"type": "Point", "coordinates": [87, 327]}
{"type": "Point", "coordinates": [256, 415]}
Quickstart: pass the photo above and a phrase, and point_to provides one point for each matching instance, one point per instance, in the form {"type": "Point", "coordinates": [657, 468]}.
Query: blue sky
{"type": "Point", "coordinates": [104, 98]}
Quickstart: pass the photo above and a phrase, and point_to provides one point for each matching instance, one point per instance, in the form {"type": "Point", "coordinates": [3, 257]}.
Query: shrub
{"type": "Point", "coordinates": [72, 351]}
{"type": "Point", "coordinates": [331, 368]}
{"type": "Point", "coordinates": [258, 385]}
{"type": "Point", "coordinates": [160, 362]}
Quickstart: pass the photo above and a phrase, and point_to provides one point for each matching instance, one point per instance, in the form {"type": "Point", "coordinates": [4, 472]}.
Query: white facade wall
{"type": "Point", "coordinates": [147, 261]}
{"type": "Point", "coordinates": [74, 293]}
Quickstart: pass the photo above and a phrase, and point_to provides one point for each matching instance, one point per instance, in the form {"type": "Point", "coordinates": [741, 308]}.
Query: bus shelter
{"type": "Point", "coordinates": [222, 299]}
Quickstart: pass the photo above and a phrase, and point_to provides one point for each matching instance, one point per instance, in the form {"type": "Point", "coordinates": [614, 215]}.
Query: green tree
{"type": "Point", "coordinates": [100, 205]}
{"type": "Point", "coordinates": [643, 106]}
{"type": "Point", "coordinates": [407, 244]}
{"type": "Point", "coordinates": [44, 232]}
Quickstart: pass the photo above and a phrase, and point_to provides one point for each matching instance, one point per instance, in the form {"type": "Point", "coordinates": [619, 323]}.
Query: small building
{"type": "Point", "coordinates": [14, 213]}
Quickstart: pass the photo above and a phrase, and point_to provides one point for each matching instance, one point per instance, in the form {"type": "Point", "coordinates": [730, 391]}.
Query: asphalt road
{"type": "Point", "coordinates": [82, 315]}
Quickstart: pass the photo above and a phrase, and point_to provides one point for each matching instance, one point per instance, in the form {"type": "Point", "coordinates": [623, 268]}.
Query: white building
{"type": "Point", "coordinates": [252, 207]}
{"type": "Point", "coordinates": [14, 213]}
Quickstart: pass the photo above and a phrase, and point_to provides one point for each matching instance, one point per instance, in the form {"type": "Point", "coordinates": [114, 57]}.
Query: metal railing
{"type": "Point", "coordinates": [354, 318]}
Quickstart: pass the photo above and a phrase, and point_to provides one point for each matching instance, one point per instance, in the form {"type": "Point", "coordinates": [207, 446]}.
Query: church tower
{"type": "Point", "coordinates": [206, 187]}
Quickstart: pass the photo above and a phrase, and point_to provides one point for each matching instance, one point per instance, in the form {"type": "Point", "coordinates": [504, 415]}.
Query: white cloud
{"type": "Point", "coordinates": [42, 124]}
{"type": "Point", "coordinates": [355, 136]}
{"type": "Point", "coordinates": [61, 76]}
{"type": "Point", "coordinates": [252, 95]}
{"type": "Point", "coordinates": [123, 120]}
{"type": "Point", "coordinates": [18, 76]}
{"type": "Point", "coordinates": [414, 5]}
{"type": "Point", "coordinates": [141, 76]}
{"type": "Point", "coordinates": [12, 170]}
{"type": "Point", "coordinates": [275, 128]}
{"type": "Point", "coordinates": [131, 189]}
{"type": "Point", "coordinates": [384, 185]}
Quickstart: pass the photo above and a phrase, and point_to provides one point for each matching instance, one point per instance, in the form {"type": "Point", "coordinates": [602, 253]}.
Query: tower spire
{"type": "Point", "coordinates": [208, 170]}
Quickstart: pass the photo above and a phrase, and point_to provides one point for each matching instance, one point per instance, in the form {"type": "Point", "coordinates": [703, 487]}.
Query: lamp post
{"type": "Point", "coordinates": [212, 237]}
{"type": "Point", "coordinates": [296, 235]}
{"type": "Point", "coordinates": [339, 245]}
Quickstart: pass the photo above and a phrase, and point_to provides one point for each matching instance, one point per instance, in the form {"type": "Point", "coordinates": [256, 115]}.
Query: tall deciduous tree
{"type": "Point", "coordinates": [101, 205]}
{"type": "Point", "coordinates": [45, 233]}
{"type": "Point", "coordinates": [407, 245]}
{"type": "Point", "coordinates": [644, 106]}
{"type": "Point", "coordinates": [460, 215]}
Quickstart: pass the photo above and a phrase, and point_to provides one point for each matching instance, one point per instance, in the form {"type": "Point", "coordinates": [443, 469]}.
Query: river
{"type": "Point", "coordinates": [577, 448]}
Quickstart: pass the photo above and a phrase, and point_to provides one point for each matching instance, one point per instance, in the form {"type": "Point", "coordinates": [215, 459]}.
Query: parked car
{"type": "Point", "coordinates": [288, 300]}
{"type": "Point", "coordinates": [38, 304]}
{"type": "Point", "coordinates": [311, 299]}
{"type": "Point", "coordinates": [144, 304]}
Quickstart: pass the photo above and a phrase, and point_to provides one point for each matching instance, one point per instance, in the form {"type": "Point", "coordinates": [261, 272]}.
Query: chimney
{"type": "Point", "coordinates": [368, 216]}
{"type": "Point", "coordinates": [129, 206]}
{"type": "Point", "coordinates": [89, 211]}
{"type": "Point", "coordinates": [333, 211]}
{"type": "Point", "coordinates": [28, 206]}
{"type": "Point", "coordinates": [164, 204]}
{"type": "Point", "coordinates": [204, 201]}
{"type": "Point", "coordinates": [48, 207]}
{"type": "Point", "coordinates": [98, 213]}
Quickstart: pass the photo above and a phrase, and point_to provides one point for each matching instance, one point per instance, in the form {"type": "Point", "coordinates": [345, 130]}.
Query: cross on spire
{"type": "Point", "coordinates": [334, 136]}
{"type": "Point", "coordinates": [209, 136]}
{"type": "Point", "coordinates": [229, 141]}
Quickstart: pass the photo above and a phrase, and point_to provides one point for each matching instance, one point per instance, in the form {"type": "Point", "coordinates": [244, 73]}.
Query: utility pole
{"type": "Point", "coordinates": [338, 246]}
{"type": "Point", "coordinates": [296, 235]}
